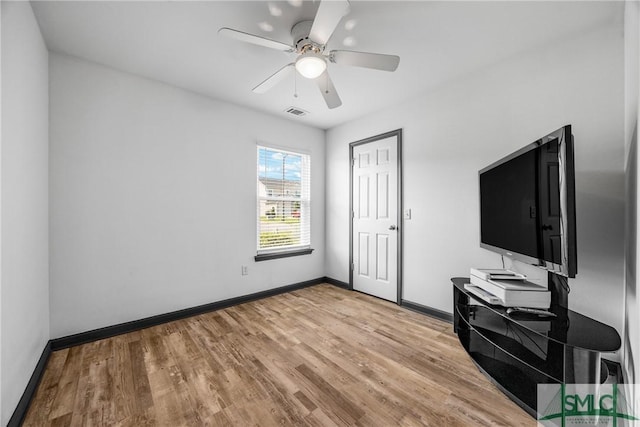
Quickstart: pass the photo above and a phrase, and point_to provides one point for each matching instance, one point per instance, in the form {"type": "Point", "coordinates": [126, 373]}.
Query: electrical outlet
{"type": "Point", "coordinates": [245, 270]}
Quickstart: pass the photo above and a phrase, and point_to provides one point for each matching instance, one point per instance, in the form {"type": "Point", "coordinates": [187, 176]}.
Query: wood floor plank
{"type": "Point", "coordinates": [48, 389]}
{"type": "Point", "coordinates": [140, 376]}
{"type": "Point", "coordinates": [123, 386]}
{"type": "Point", "coordinates": [68, 383]}
{"type": "Point", "coordinates": [319, 356]}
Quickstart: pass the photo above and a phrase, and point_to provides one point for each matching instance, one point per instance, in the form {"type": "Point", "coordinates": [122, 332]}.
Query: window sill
{"type": "Point", "coordinates": [276, 255]}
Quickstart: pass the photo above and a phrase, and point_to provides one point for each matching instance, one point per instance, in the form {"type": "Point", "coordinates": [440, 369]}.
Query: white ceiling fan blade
{"type": "Point", "coordinates": [329, 14]}
{"type": "Point", "coordinates": [328, 90]}
{"type": "Point", "coordinates": [274, 79]}
{"type": "Point", "coordinates": [377, 61]}
{"type": "Point", "coordinates": [251, 38]}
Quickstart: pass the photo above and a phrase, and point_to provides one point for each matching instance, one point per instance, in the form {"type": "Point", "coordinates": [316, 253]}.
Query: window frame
{"type": "Point", "coordinates": [303, 200]}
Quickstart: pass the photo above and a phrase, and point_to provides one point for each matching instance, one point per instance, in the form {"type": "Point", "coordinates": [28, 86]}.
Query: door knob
{"type": "Point", "coordinates": [392, 227]}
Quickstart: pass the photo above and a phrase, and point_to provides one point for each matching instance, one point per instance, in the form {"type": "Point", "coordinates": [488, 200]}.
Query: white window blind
{"type": "Point", "coordinates": [284, 200]}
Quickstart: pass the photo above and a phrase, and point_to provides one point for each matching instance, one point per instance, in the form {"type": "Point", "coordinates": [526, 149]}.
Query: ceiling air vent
{"type": "Point", "coordinates": [296, 111]}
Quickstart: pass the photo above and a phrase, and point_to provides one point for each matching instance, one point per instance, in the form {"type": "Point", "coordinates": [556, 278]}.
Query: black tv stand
{"type": "Point", "coordinates": [517, 353]}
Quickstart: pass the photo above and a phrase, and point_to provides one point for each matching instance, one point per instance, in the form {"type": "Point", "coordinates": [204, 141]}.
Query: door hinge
{"type": "Point", "coordinates": [353, 161]}
{"type": "Point", "coordinates": [353, 266]}
{"type": "Point", "coordinates": [353, 214]}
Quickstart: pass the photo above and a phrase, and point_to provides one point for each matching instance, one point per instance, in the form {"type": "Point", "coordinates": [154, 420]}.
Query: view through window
{"type": "Point", "coordinates": [283, 200]}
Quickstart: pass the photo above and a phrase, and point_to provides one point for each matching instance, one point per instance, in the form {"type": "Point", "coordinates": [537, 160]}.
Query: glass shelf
{"type": "Point", "coordinates": [518, 353]}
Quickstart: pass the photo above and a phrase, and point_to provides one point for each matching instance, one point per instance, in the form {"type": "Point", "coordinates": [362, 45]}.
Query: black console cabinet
{"type": "Point", "coordinates": [517, 352]}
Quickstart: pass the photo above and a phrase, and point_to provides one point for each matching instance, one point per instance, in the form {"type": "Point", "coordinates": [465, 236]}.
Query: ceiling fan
{"type": "Point", "coordinates": [309, 43]}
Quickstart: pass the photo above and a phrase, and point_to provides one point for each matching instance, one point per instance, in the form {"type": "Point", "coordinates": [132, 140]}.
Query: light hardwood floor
{"type": "Point", "coordinates": [320, 356]}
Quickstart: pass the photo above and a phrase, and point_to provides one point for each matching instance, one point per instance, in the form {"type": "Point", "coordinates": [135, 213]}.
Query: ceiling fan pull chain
{"type": "Point", "coordinates": [326, 81]}
{"type": "Point", "coordinates": [295, 85]}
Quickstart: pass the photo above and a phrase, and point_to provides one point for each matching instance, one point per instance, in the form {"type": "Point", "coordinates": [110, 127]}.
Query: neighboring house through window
{"type": "Point", "coordinates": [284, 202]}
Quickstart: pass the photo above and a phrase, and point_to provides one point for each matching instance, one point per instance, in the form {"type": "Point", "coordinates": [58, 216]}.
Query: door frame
{"type": "Point", "coordinates": [400, 224]}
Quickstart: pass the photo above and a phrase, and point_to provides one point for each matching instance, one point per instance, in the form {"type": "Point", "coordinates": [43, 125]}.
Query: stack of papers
{"type": "Point", "coordinates": [510, 293]}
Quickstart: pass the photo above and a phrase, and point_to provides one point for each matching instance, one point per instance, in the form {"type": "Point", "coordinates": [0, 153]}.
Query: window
{"type": "Point", "coordinates": [284, 210]}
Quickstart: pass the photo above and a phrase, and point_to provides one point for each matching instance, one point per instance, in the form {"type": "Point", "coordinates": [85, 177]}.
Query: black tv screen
{"type": "Point", "coordinates": [527, 204]}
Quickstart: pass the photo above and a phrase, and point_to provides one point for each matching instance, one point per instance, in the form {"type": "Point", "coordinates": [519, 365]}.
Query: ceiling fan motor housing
{"type": "Point", "coordinates": [301, 41]}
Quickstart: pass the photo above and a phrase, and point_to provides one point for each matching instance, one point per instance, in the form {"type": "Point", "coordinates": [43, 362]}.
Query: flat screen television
{"type": "Point", "coordinates": [527, 204]}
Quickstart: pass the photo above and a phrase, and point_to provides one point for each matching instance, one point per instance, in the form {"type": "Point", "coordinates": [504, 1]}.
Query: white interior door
{"type": "Point", "coordinates": [375, 218]}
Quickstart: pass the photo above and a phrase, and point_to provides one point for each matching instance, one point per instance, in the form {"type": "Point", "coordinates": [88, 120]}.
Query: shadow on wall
{"type": "Point", "coordinates": [600, 238]}
{"type": "Point", "coordinates": [631, 235]}
{"type": "Point", "coordinates": [600, 215]}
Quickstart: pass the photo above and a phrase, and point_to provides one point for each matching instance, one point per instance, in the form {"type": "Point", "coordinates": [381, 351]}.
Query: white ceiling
{"type": "Point", "coordinates": [176, 42]}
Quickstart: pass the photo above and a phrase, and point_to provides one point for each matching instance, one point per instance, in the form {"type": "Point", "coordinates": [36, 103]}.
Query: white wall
{"type": "Point", "coordinates": [25, 234]}
{"type": "Point", "coordinates": [451, 133]}
{"type": "Point", "coordinates": [631, 356]}
{"type": "Point", "coordinates": [153, 198]}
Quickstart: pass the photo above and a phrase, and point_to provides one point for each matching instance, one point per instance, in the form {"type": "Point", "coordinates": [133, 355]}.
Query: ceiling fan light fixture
{"type": "Point", "coordinates": [311, 65]}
